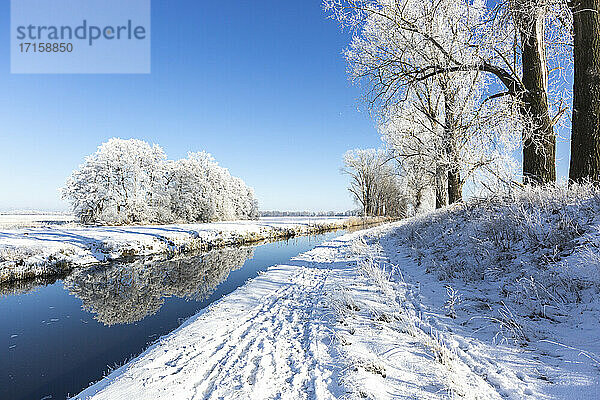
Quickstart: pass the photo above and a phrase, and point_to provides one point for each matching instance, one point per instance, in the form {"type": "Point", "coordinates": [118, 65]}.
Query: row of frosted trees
{"type": "Point", "coordinates": [374, 183]}
{"type": "Point", "coordinates": [459, 85]}
{"type": "Point", "coordinates": [131, 181]}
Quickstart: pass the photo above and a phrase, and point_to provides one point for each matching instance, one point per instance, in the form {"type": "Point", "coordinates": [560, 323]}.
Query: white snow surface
{"type": "Point", "coordinates": [37, 251]}
{"type": "Point", "coordinates": [30, 219]}
{"type": "Point", "coordinates": [357, 317]}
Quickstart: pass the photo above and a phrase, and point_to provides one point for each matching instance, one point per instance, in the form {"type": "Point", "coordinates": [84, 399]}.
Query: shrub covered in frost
{"type": "Point", "coordinates": [130, 181]}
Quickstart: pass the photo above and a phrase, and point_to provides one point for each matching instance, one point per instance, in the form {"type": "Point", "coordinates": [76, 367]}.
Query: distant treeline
{"type": "Point", "coordinates": [33, 212]}
{"type": "Point", "coordinates": [349, 213]}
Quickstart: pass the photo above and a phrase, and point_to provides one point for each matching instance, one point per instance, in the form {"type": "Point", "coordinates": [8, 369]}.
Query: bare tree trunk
{"type": "Point", "coordinates": [454, 186]}
{"type": "Point", "coordinates": [441, 189]}
{"type": "Point", "coordinates": [418, 200]}
{"type": "Point", "coordinates": [539, 140]}
{"type": "Point", "coordinates": [585, 133]}
{"type": "Point", "coordinates": [454, 182]}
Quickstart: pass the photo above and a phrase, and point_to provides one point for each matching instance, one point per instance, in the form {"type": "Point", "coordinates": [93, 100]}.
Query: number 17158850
{"type": "Point", "coordinates": [46, 47]}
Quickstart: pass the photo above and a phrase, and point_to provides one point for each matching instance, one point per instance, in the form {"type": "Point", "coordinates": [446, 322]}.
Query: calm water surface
{"type": "Point", "coordinates": [56, 337]}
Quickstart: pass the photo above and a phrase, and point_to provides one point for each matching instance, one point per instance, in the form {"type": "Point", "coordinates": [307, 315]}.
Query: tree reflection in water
{"type": "Point", "coordinates": [127, 292]}
{"type": "Point", "coordinates": [25, 286]}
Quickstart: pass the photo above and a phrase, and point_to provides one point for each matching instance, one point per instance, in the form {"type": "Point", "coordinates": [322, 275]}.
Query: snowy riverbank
{"type": "Point", "coordinates": [44, 251]}
{"type": "Point", "coordinates": [358, 317]}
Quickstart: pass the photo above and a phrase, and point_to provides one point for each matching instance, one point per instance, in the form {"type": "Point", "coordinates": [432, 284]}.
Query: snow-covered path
{"type": "Point", "coordinates": [339, 321]}
{"type": "Point", "coordinates": [268, 339]}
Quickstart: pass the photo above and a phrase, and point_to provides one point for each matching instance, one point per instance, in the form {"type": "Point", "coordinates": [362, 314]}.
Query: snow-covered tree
{"type": "Point", "coordinates": [201, 190]}
{"type": "Point", "coordinates": [121, 183]}
{"type": "Point", "coordinates": [374, 184]}
{"type": "Point", "coordinates": [130, 181]}
{"type": "Point", "coordinates": [444, 137]}
{"type": "Point", "coordinates": [519, 48]}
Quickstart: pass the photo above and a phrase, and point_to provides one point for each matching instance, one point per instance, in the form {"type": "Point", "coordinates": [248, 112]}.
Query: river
{"type": "Point", "coordinates": [58, 336]}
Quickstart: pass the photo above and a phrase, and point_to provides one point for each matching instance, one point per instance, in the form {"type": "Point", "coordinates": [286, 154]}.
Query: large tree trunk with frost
{"type": "Point", "coordinates": [441, 184]}
{"type": "Point", "coordinates": [421, 189]}
{"type": "Point", "coordinates": [539, 140]}
{"type": "Point", "coordinates": [454, 186]}
{"type": "Point", "coordinates": [454, 182]}
{"type": "Point", "coordinates": [585, 133]}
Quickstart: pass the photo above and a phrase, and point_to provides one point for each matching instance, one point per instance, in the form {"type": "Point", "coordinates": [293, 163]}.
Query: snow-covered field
{"type": "Point", "coordinates": [40, 251]}
{"type": "Point", "coordinates": [14, 221]}
{"type": "Point", "coordinates": [428, 308]}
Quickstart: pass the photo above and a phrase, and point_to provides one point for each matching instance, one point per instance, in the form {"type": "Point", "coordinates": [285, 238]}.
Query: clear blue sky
{"type": "Point", "coordinates": [259, 84]}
